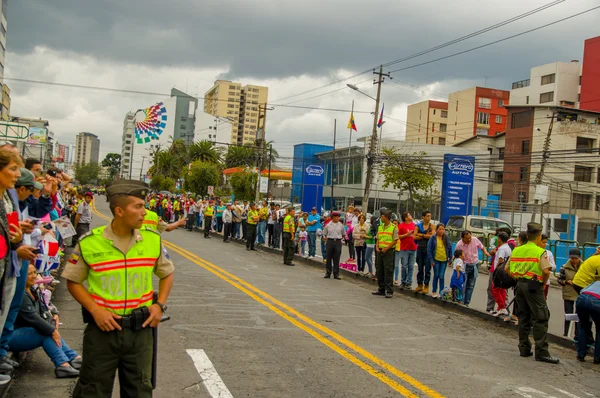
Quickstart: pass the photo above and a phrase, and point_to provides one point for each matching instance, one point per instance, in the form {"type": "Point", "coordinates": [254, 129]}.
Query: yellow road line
{"type": "Point", "coordinates": [238, 282]}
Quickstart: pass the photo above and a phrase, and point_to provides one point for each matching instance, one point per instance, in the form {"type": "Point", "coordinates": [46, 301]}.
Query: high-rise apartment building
{"type": "Point", "coordinates": [5, 96]}
{"type": "Point", "coordinates": [126, 145]}
{"type": "Point", "coordinates": [239, 105]}
{"type": "Point", "coordinates": [427, 122]}
{"type": "Point", "coordinates": [185, 116]}
{"type": "Point", "coordinates": [87, 148]}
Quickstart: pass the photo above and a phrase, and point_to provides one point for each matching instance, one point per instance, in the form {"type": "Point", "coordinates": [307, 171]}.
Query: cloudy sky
{"type": "Point", "coordinates": [289, 46]}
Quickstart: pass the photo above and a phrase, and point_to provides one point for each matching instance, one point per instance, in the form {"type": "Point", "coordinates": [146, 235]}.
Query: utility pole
{"type": "Point", "coordinates": [373, 142]}
{"type": "Point", "coordinates": [260, 135]}
{"type": "Point", "coordinates": [333, 165]}
{"type": "Point", "coordinates": [545, 155]}
{"type": "Point", "coordinates": [142, 168]}
{"type": "Point", "coordinates": [269, 175]}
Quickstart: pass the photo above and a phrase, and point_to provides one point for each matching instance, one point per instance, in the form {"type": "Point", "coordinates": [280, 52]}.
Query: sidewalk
{"type": "Point", "coordinates": [478, 301]}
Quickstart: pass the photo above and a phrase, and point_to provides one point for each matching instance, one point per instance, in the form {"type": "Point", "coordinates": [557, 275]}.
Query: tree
{"type": "Point", "coordinates": [243, 185]}
{"type": "Point", "coordinates": [203, 175]}
{"type": "Point", "coordinates": [113, 162]}
{"type": "Point", "coordinates": [162, 183]}
{"type": "Point", "coordinates": [410, 174]}
{"type": "Point", "coordinates": [205, 151]}
{"type": "Point", "coordinates": [240, 156]}
{"type": "Point", "coordinates": [87, 173]}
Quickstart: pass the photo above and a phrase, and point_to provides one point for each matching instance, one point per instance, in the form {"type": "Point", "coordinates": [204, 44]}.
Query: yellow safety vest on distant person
{"type": "Point", "coordinates": [385, 235]}
{"type": "Point", "coordinates": [251, 215]}
{"type": "Point", "coordinates": [120, 283]}
{"type": "Point", "coordinates": [525, 262]}
{"type": "Point", "coordinates": [209, 211]}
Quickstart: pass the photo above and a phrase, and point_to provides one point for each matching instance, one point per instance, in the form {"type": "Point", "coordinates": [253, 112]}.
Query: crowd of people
{"type": "Point", "coordinates": [385, 248]}
{"type": "Point", "coordinates": [30, 200]}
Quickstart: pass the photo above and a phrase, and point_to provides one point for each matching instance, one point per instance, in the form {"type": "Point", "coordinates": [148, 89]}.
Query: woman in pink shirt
{"type": "Point", "coordinates": [470, 246]}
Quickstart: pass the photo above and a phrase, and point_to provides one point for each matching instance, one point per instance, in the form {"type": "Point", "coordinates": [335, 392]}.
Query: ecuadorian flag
{"type": "Point", "coordinates": [351, 124]}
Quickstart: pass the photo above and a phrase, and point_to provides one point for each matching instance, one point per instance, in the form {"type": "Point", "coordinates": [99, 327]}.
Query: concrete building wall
{"type": "Point", "coordinates": [87, 148]}
{"type": "Point", "coordinates": [185, 116]}
{"type": "Point", "coordinates": [564, 88]}
{"type": "Point", "coordinates": [5, 114]}
{"type": "Point", "coordinates": [461, 115]}
{"type": "Point", "coordinates": [481, 145]}
{"type": "Point", "coordinates": [590, 76]}
{"type": "Point", "coordinates": [427, 122]}
{"type": "Point", "coordinates": [127, 143]}
{"type": "Point", "coordinates": [3, 30]}
{"type": "Point", "coordinates": [416, 121]}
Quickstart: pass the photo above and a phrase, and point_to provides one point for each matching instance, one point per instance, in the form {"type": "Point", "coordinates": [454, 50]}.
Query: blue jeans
{"type": "Point", "coordinates": [471, 271]}
{"type": "Point", "coordinates": [261, 231]}
{"type": "Point", "coordinates": [13, 311]}
{"type": "Point", "coordinates": [439, 269]}
{"type": "Point", "coordinates": [396, 265]}
{"type": "Point", "coordinates": [198, 220]}
{"type": "Point", "coordinates": [312, 243]}
{"type": "Point", "coordinates": [236, 229]}
{"type": "Point", "coordinates": [219, 224]}
{"type": "Point", "coordinates": [369, 258]}
{"type": "Point", "coordinates": [408, 258]}
{"type": "Point", "coordinates": [303, 246]}
{"type": "Point", "coordinates": [27, 339]}
{"type": "Point", "coordinates": [587, 307]}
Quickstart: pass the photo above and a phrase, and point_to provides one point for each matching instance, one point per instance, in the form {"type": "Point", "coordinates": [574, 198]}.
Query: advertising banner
{"type": "Point", "coordinates": [457, 186]}
{"type": "Point", "coordinates": [37, 135]}
{"type": "Point", "coordinates": [312, 196]}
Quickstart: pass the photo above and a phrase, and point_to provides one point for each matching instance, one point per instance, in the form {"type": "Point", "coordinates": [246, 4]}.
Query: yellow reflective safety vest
{"type": "Point", "coordinates": [151, 220]}
{"type": "Point", "coordinates": [525, 262]}
{"type": "Point", "coordinates": [120, 283]}
{"type": "Point", "coordinates": [287, 226]}
{"type": "Point", "coordinates": [209, 211]}
{"type": "Point", "coordinates": [251, 215]}
{"type": "Point", "coordinates": [385, 235]}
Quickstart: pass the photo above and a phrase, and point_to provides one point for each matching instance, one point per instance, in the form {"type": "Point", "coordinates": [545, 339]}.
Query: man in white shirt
{"type": "Point", "coordinates": [227, 223]}
{"type": "Point", "coordinates": [503, 253]}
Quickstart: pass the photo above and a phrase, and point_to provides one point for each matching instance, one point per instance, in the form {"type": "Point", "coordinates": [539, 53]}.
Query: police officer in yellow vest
{"type": "Point", "coordinates": [118, 261]}
{"type": "Point", "coordinates": [529, 265]}
{"type": "Point", "coordinates": [209, 212]}
{"type": "Point", "coordinates": [153, 222]}
{"type": "Point", "coordinates": [253, 219]}
{"type": "Point", "coordinates": [289, 245]}
{"type": "Point", "coordinates": [387, 236]}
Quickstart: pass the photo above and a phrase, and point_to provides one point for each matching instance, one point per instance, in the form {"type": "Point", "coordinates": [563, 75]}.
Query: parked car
{"type": "Point", "coordinates": [478, 225]}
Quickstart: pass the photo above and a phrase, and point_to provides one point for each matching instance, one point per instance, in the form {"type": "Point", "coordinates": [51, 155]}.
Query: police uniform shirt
{"type": "Point", "coordinates": [334, 230]}
{"type": "Point", "coordinates": [76, 269]}
{"type": "Point", "coordinates": [86, 213]}
{"type": "Point", "coordinates": [162, 226]}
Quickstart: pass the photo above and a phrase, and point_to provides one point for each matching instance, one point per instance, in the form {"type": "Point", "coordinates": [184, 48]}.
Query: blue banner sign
{"type": "Point", "coordinates": [312, 195]}
{"type": "Point", "coordinates": [457, 186]}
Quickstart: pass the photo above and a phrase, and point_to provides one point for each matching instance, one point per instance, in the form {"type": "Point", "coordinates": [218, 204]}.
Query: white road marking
{"type": "Point", "coordinates": [568, 394]}
{"type": "Point", "coordinates": [211, 379]}
{"type": "Point", "coordinates": [538, 393]}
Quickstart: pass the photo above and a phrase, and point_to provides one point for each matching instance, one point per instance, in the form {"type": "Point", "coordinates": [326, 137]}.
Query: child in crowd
{"type": "Point", "coordinates": [458, 275]}
{"type": "Point", "coordinates": [303, 236]}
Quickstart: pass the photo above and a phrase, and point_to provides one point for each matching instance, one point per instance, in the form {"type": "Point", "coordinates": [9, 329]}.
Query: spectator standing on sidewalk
{"type": "Point", "coordinates": [543, 244]}
{"type": "Point", "coordinates": [439, 254]}
{"type": "Point", "coordinates": [237, 210]}
{"type": "Point", "coordinates": [271, 221]}
{"type": "Point", "coordinates": [313, 223]}
{"type": "Point", "coordinates": [408, 249]}
{"type": "Point", "coordinates": [565, 279]}
{"type": "Point", "coordinates": [278, 227]}
{"type": "Point", "coordinates": [83, 217]}
{"type": "Point", "coordinates": [423, 232]}
{"type": "Point", "coordinates": [333, 233]}
{"type": "Point", "coordinates": [227, 223]}
{"type": "Point", "coordinates": [387, 236]}
{"type": "Point", "coordinates": [289, 229]}
{"type": "Point", "coordinates": [359, 234]}
{"type": "Point", "coordinates": [219, 216]}
{"type": "Point", "coordinates": [245, 209]}
{"type": "Point", "coordinates": [588, 310]}
{"type": "Point", "coordinates": [209, 212]}
{"type": "Point", "coordinates": [253, 219]}
{"type": "Point", "coordinates": [397, 263]}
{"type": "Point", "coordinates": [503, 253]}
{"type": "Point", "coordinates": [261, 229]}
{"type": "Point", "coordinates": [470, 245]}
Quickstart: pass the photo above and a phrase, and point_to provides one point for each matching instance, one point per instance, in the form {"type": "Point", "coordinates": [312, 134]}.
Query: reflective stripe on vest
{"type": "Point", "coordinates": [385, 235]}
{"type": "Point", "coordinates": [251, 214]}
{"type": "Point", "coordinates": [525, 262]}
{"type": "Point", "coordinates": [151, 220]}
{"type": "Point", "coordinates": [120, 283]}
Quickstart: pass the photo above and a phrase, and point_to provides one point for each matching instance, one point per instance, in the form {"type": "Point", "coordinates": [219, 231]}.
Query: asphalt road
{"type": "Point", "coordinates": [277, 331]}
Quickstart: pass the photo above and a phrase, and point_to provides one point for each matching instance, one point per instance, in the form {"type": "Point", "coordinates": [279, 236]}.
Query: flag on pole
{"type": "Point", "coordinates": [380, 122]}
{"type": "Point", "coordinates": [351, 124]}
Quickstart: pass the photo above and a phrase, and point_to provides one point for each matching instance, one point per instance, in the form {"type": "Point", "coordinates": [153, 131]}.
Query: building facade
{"type": "Point", "coordinates": [126, 145]}
{"type": "Point", "coordinates": [552, 84]}
{"type": "Point", "coordinates": [476, 111]}
{"type": "Point", "coordinates": [87, 148]}
{"type": "Point", "coordinates": [590, 75]}
{"type": "Point", "coordinates": [242, 106]}
{"type": "Point", "coordinates": [185, 116]}
{"type": "Point", "coordinates": [427, 122]}
{"type": "Point", "coordinates": [5, 100]}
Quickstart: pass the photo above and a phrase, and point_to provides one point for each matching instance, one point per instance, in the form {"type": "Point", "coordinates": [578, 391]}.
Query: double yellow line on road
{"type": "Point", "coordinates": [311, 327]}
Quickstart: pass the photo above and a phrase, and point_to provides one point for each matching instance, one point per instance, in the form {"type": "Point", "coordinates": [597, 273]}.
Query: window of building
{"type": "Point", "coordinates": [525, 144]}
{"type": "Point", "coordinates": [442, 141]}
{"type": "Point", "coordinates": [481, 131]}
{"type": "Point", "coordinates": [598, 177]}
{"type": "Point", "coordinates": [231, 99]}
{"type": "Point", "coordinates": [232, 93]}
{"type": "Point", "coordinates": [443, 127]}
{"type": "Point", "coordinates": [432, 127]}
{"type": "Point", "coordinates": [583, 174]}
{"type": "Point", "coordinates": [548, 79]}
{"type": "Point", "coordinates": [4, 34]}
{"type": "Point", "coordinates": [523, 173]}
{"type": "Point", "coordinates": [597, 202]}
{"type": "Point", "coordinates": [483, 118]}
{"type": "Point", "coordinates": [527, 100]}
{"type": "Point", "coordinates": [522, 197]}
{"type": "Point", "coordinates": [230, 106]}
{"type": "Point", "coordinates": [547, 97]}
{"type": "Point", "coordinates": [499, 177]}
{"type": "Point", "coordinates": [434, 111]}
{"type": "Point", "coordinates": [581, 201]}
{"type": "Point", "coordinates": [232, 87]}
{"type": "Point", "coordinates": [500, 103]}
{"type": "Point", "coordinates": [498, 119]}
{"type": "Point", "coordinates": [500, 153]}
{"type": "Point", "coordinates": [521, 119]}
{"type": "Point", "coordinates": [584, 145]}
{"type": "Point", "coordinates": [182, 127]}
{"type": "Point", "coordinates": [485, 103]}
{"type": "Point", "coordinates": [444, 114]}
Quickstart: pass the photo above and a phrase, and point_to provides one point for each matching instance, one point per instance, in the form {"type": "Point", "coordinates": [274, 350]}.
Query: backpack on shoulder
{"type": "Point", "coordinates": [501, 278]}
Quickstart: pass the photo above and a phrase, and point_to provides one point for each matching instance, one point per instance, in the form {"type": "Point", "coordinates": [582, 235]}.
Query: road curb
{"type": "Point", "coordinates": [552, 338]}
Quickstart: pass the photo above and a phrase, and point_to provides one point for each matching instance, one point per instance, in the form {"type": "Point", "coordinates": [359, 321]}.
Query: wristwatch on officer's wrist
{"type": "Point", "coordinates": [162, 306]}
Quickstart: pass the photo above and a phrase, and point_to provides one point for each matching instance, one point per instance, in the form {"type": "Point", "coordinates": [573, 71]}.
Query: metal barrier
{"type": "Point", "coordinates": [588, 249]}
{"type": "Point", "coordinates": [560, 249]}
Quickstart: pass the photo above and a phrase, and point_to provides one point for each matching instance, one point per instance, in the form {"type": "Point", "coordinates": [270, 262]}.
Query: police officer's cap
{"type": "Point", "coordinates": [387, 213]}
{"type": "Point", "coordinates": [534, 227]}
{"type": "Point", "coordinates": [135, 188]}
